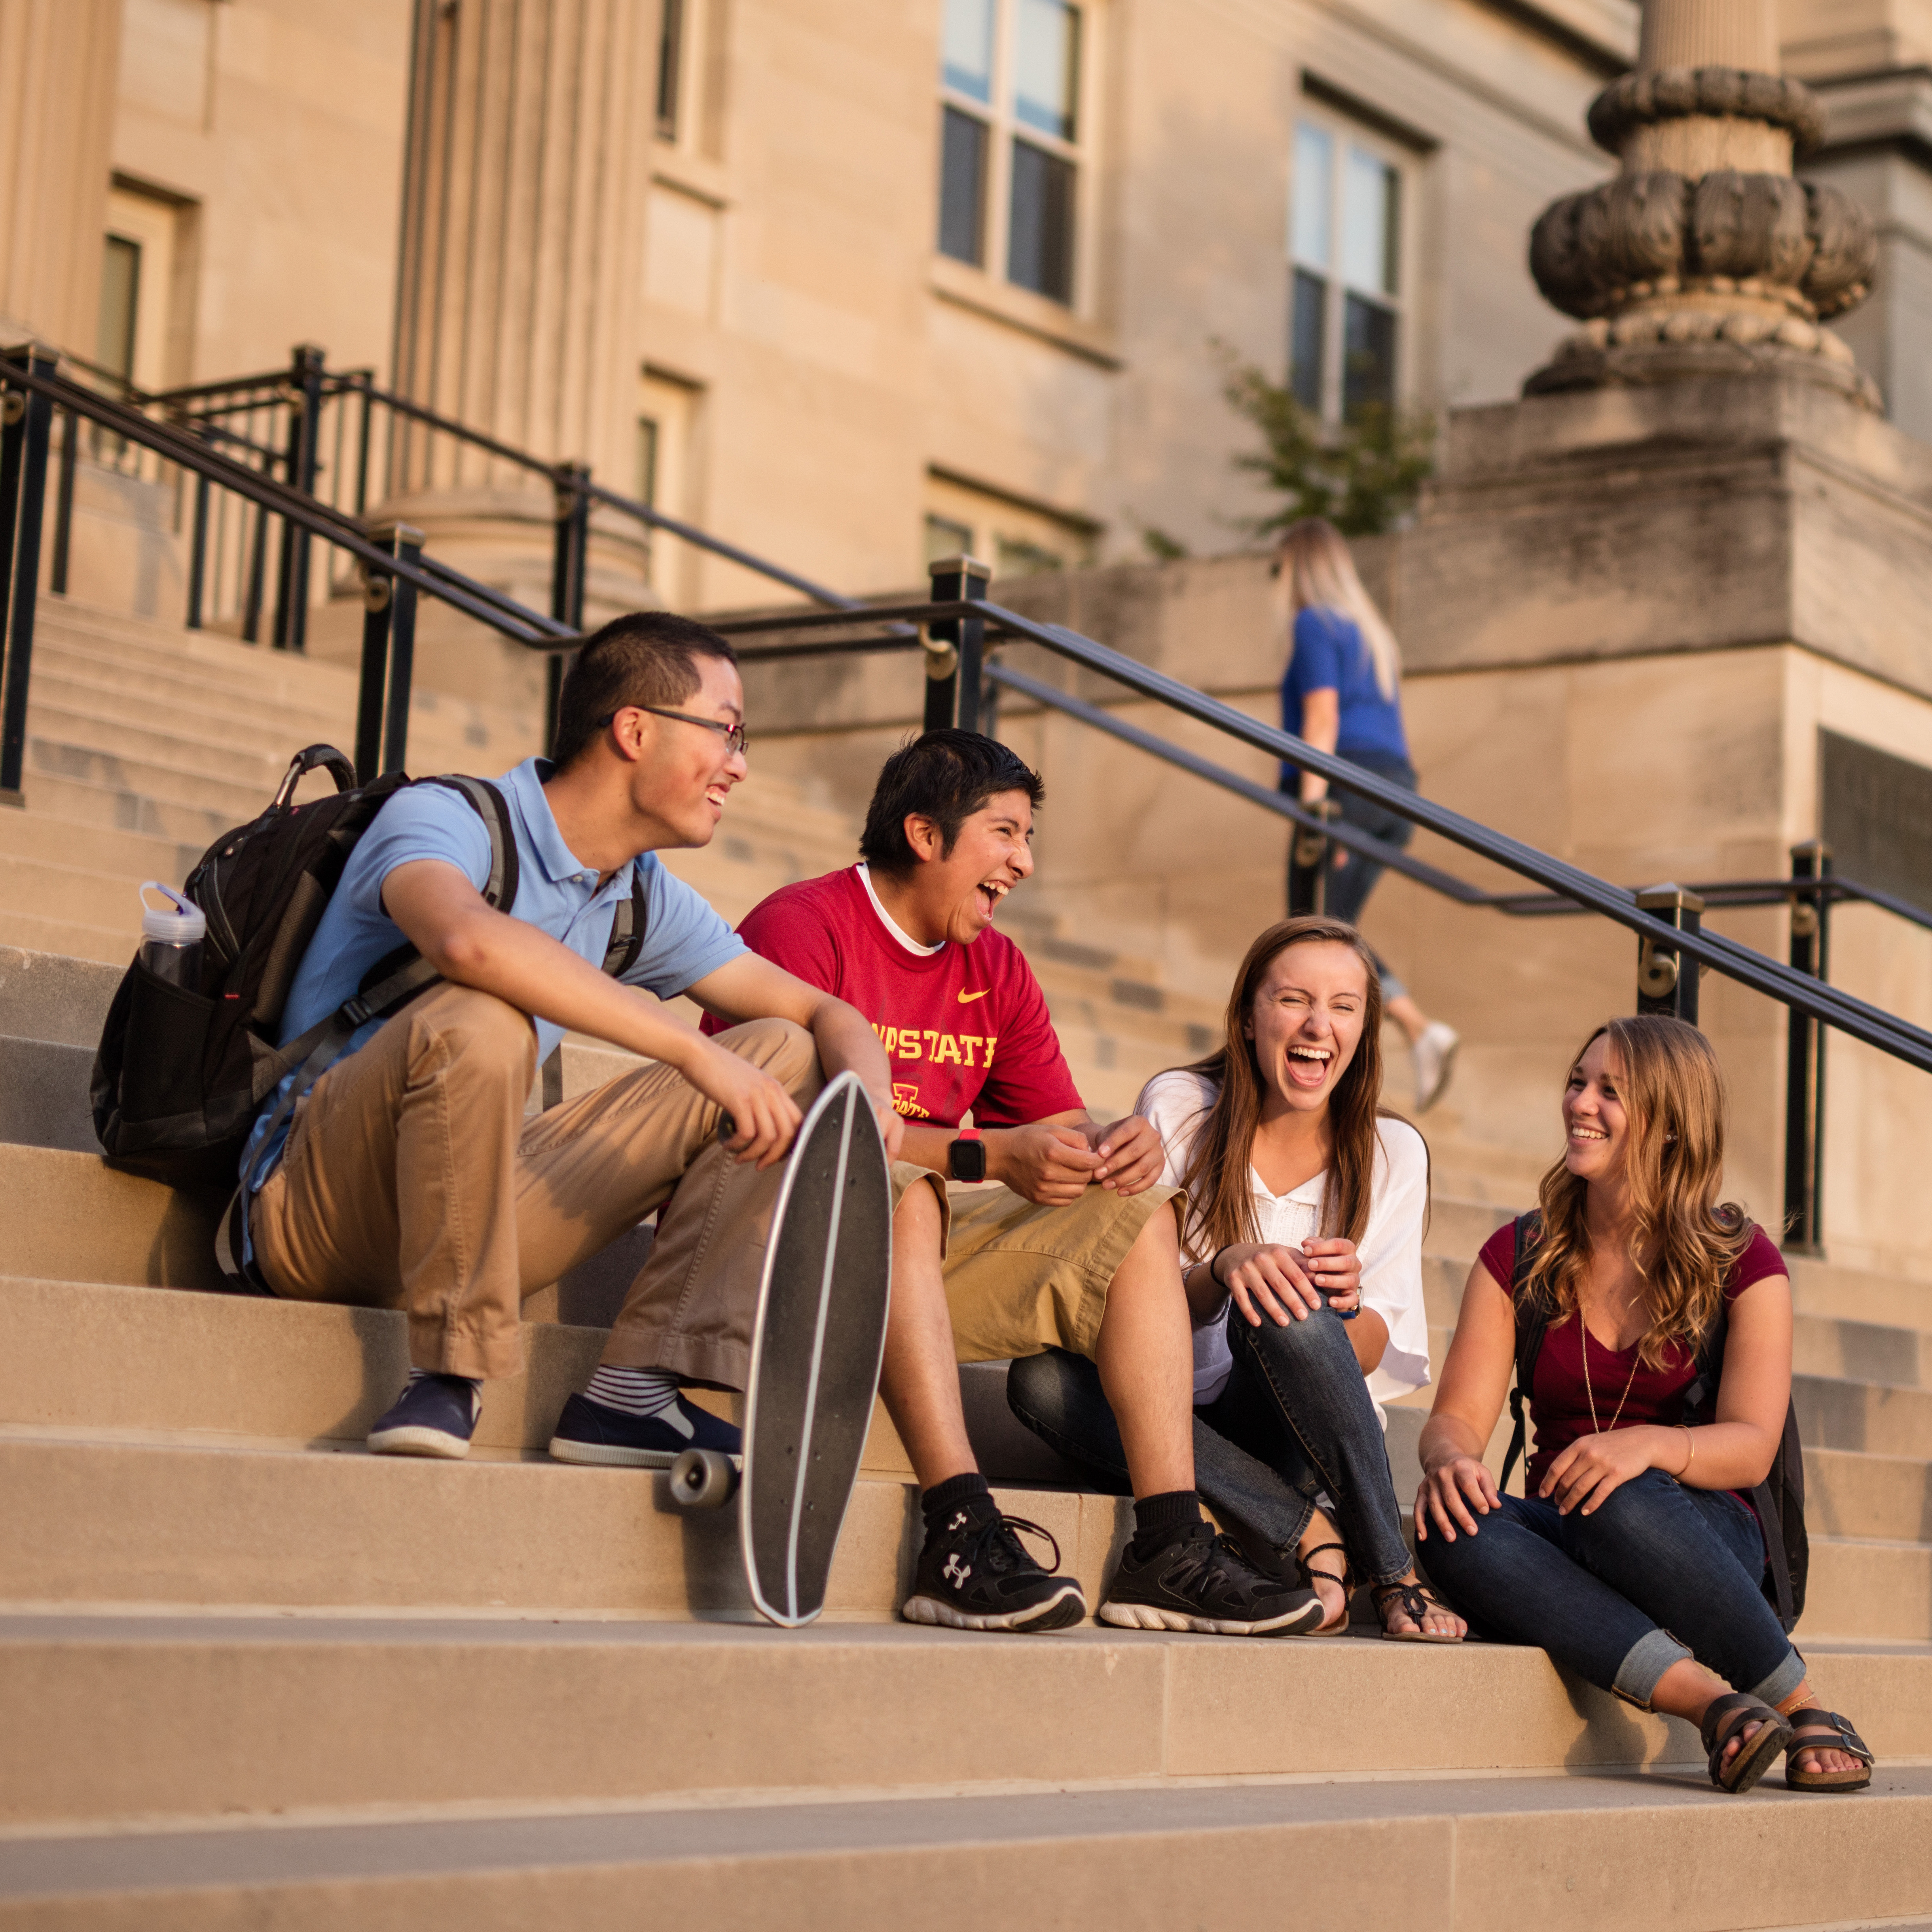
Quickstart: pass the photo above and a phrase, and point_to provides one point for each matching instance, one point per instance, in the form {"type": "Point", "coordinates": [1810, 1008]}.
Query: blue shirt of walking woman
{"type": "Point", "coordinates": [1342, 692]}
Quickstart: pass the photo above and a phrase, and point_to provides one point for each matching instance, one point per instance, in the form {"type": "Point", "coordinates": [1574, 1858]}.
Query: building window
{"type": "Point", "coordinates": [1345, 246]}
{"type": "Point", "coordinates": [1017, 537]}
{"type": "Point", "coordinates": [120, 306]}
{"type": "Point", "coordinates": [671, 67]}
{"type": "Point", "coordinates": [1011, 74]}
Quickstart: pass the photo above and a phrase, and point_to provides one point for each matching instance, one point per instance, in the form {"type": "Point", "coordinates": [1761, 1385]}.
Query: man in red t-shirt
{"type": "Point", "coordinates": [1038, 1227]}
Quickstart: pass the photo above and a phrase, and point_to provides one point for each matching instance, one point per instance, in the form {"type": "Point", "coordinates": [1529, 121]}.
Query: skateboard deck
{"type": "Point", "coordinates": [817, 1346]}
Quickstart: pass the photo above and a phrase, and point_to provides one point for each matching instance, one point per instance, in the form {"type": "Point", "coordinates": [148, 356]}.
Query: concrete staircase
{"type": "Point", "coordinates": [253, 1677]}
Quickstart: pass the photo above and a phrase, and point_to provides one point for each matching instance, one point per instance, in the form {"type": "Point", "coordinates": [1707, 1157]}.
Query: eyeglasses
{"type": "Point", "coordinates": [734, 735]}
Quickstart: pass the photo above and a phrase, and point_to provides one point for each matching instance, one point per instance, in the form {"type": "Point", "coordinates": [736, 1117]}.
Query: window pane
{"type": "Point", "coordinates": [1368, 355]}
{"type": "Point", "coordinates": [671, 67]}
{"type": "Point", "coordinates": [1369, 187]}
{"type": "Point", "coordinates": [1307, 336]}
{"type": "Point", "coordinates": [967, 62]}
{"type": "Point", "coordinates": [946, 538]}
{"type": "Point", "coordinates": [647, 463]}
{"type": "Point", "coordinates": [962, 188]}
{"type": "Point", "coordinates": [1020, 556]}
{"type": "Point", "coordinates": [1039, 252]}
{"type": "Point", "coordinates": [1046, 65]}
{"type": "Point", "coordinates": [1314, 196]}
{"type": "Point", "coordinates": [120, 297]}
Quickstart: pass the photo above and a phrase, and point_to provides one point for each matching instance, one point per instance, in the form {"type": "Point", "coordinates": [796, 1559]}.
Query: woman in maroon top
{"type": "Point", "coordinates": [1633, 1556]}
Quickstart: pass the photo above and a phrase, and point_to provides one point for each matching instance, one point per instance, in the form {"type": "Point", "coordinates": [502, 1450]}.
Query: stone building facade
{"type": "Point", "coordinates": [846, 281]}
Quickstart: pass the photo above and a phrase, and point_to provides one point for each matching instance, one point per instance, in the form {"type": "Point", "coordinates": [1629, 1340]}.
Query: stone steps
{"type": "Point", "coordinates": [1615, 1854]}
{"type": "Point", "coordinates": [331, 1712]}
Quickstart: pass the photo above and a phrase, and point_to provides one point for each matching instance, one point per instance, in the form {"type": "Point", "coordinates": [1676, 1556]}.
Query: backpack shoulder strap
{"type": "Point", "coordinates": [1532, 1317]}
{"type": "Point", "coordinates": [500, 889]}
{"type": "Point", "coordinates": [627, 931]}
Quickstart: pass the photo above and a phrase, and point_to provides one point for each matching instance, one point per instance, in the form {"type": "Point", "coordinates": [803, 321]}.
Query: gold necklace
{"type": "Point", "coordinates": [1596, 1427]}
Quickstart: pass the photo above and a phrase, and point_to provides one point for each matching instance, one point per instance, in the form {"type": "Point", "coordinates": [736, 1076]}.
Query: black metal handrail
{"type": "Point", "coordinates": [952, 626]}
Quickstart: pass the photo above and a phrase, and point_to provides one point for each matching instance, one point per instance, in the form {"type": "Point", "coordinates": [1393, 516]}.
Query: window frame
{"type": "Point", "coordinates": [1346, 132]}
{"type": "Point", "coordinates": [1003, 126]}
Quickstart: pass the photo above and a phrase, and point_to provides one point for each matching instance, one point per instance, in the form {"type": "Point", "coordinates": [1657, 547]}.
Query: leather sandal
{"type": "Point", "coordinates": [1724, 1718]}
{"type": "Point", "coordinates": [1416, 1603]}
{"type": "Point", "coordinates": [1340, 1627]}
{"type": "Point", "coordinates": [1812, 1729]}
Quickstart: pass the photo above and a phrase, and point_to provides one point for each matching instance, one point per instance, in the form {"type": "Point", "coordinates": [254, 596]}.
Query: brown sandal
{"type": "Point", "coordinates": [1416, 1603]}
{"type": "Point", "coordinates": [1816, 1730]}
{"type": "Point", "coordinates": [1724, 1718]}
{"type": "Point", "coordinates": [1340, 1627]}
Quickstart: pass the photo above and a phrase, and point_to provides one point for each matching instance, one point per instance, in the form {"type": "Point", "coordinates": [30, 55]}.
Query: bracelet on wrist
{"type": "Point", "coordinates": [1214, 1268]}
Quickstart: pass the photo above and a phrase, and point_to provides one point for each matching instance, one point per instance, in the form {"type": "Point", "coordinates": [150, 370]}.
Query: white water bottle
{"type": "Point", "coordinates": [171, 937]}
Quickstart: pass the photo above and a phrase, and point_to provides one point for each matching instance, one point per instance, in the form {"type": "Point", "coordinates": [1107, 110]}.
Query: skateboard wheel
{"type": "Point", "coordinates": [702, 1479]}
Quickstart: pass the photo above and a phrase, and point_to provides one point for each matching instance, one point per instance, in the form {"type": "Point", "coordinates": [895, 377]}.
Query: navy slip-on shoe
{"type": "Point", "coordinates": [435, 1415]}
{"type": "Point", "coordinates": [589, 1432]}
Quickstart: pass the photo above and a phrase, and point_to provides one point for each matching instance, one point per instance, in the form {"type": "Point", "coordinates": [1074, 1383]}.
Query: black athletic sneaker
{"type": "Point", "coordinates": [435, 1415]}
{"type": "Point", "coordinates": [974, 1574]}
{"type": "Point", "coordinates": [1202, 1582]}
{"type": "Point", "coordinates": [592, 1431]}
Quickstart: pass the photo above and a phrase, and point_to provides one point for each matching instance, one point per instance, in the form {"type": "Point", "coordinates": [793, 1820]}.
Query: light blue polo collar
{"type": "Point", "coordinates": [544, 842]}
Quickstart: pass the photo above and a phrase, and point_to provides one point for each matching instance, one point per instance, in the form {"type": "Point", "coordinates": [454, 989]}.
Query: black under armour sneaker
{"type": "Point", "coordinates": [1202, 1582]}
{"type": "Point", "coordinates": [974, 1574]}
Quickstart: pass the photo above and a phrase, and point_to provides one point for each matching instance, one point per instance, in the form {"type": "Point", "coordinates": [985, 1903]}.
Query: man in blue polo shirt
{"type": "Point", "coordinates": [408, 1176]}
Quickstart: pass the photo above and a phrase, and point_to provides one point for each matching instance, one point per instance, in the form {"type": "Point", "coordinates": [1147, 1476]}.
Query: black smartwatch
{"type": "Point", "coordinates": [966, 1158]}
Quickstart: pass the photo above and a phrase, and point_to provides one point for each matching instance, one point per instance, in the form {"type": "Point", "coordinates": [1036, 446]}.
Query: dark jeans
{"type": "Point", "coordinates": [1657, 1574]}
{"type": "Point", "coordinates": [1295, 1419]}
{"type": "Point", "coordinates": [1346, 889]}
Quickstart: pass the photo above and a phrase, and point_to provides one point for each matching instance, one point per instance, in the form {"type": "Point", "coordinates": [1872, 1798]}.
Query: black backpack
{"type": "Point", "coordinates": [1779, 1499]}
{"type": "Point", "coordinates": [181, 1072]}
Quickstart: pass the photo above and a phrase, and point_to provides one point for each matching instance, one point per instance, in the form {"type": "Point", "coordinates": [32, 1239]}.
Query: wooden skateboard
{"type": "Point", "coordinates": [817, 1344]}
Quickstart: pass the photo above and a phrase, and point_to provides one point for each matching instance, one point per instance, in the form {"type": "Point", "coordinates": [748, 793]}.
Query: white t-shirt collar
{"type": "Point", "coordinates": [892, 925]}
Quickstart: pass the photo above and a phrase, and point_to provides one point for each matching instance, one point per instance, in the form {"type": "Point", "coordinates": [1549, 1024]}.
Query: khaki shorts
{"type": "Point", "coordinates": [1019, 1277]}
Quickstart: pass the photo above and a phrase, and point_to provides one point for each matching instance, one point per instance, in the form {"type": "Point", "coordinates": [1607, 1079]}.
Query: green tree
{"type": "Point", "coordinates": [1361, 474]}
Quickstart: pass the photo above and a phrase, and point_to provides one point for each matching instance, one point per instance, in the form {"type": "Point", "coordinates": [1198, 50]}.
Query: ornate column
{"type": "Point", "coordinates": [58, 62]}
{"type": "Point", "coordinates": [521, 256]}
{"type": "Point", "coordinates": [1704, 256]}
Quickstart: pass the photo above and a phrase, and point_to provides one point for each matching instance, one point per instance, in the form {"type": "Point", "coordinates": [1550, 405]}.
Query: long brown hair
{"type": "Point", "coordinates": [1685, 1241]}
{"type": "Point", "coordinates": [1221, 1207]}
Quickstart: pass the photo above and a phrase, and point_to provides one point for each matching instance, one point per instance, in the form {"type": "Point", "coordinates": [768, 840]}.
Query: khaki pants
{"type": "Point", "coordinates": [411, 1179]}
{"type": "Point", "coordinates": [1019, 1278]}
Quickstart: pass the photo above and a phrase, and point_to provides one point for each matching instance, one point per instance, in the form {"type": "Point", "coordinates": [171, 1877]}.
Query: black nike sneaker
{"type": "Point", "coordinates": [974, 1574]}
{"type": "Point", "coordinates": [1202, 1582]}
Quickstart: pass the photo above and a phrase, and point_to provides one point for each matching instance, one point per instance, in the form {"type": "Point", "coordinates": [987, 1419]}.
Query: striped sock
{"type": "Point", "coordinates": [639, 1392]}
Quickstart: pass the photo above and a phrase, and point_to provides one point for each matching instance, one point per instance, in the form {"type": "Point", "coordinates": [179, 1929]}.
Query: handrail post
{"type": "Point", "coordinates": [64, 506]}
{"type": "Point", "coordinates": [407, 544]}
{"type": "Point", "coordinates": [1666, 982]}
{"type": "Point", "coordinates": [379, 597]}
{"type": "Point", "coordinates": [23, 491]}
{"type": "Point", "coordinates": [304, 428]}
{"type": "Point", "coordinates": [1804, 1058]}
{"type": "Point", "coordinates": [568, 567]}
{"type": "Point", "coordinates": [955, 647]}
{"type": "Point", "coordinates": [197, 556]}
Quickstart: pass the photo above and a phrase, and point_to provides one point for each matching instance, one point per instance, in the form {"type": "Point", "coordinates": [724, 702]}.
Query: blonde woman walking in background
{"type": "Point", "coordinates": [1341, 693]}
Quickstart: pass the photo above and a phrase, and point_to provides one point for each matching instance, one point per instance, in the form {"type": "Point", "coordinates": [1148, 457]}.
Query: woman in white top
{"type": "Point", "coordinates": [1302, 1251]}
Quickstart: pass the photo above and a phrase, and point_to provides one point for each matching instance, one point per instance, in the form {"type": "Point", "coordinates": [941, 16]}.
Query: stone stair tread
{"type": "Point", "coordinates": [1120, 1851]}
{"type": "Point", "coordinates": [324, 1709]}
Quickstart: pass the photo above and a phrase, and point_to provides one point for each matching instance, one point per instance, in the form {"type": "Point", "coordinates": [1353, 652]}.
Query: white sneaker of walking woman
{"type": "Point", "coordinates": [1434, 1055]}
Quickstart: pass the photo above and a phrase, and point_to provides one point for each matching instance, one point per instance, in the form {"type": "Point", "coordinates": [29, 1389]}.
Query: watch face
{"type": "Point", "coordinates": [969, 1160]}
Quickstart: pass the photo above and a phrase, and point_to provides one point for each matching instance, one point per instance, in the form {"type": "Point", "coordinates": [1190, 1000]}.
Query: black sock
{"type": "Point", "coordinates": [934, 1503]}
{"type": "Point", "coordinates": [1157, 1519]}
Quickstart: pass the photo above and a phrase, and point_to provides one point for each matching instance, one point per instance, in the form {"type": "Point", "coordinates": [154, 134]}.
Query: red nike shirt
{"type": "Point", "coordinates": [966, 1027]}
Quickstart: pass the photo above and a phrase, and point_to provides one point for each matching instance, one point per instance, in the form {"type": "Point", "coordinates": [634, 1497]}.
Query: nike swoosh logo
{"type": "Point", "coordinates": [964, 998]}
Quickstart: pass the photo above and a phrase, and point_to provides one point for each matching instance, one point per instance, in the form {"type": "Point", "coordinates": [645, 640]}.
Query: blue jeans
{"type": "Point", "coordinates": [1346, 888]}
{"type": "Point", "coordinates": [1294, 1420]}
{"type": "Point", "coordinates": [1658, 1573]}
